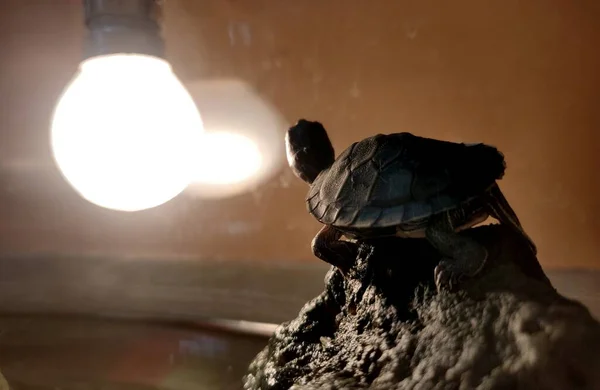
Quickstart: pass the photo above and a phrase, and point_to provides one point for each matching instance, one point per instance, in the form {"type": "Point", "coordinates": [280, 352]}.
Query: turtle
{"type": "Point", "coordinates": [401, 185]}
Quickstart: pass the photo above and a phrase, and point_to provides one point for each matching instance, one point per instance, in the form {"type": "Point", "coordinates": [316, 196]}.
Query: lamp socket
{"type": "Point", "coordinates": [123, 26]}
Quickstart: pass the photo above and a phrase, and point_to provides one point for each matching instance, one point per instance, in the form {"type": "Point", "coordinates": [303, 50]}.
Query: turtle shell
{"type": "Point", "coordinates": [393, 179]}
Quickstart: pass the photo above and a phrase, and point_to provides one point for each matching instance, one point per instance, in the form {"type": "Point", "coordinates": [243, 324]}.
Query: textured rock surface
{"type": "Point", "coordinates": [385, 327]}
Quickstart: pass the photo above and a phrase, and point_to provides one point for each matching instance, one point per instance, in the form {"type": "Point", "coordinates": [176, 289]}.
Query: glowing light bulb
{"type": "Point", "coordinates": [124, 130]}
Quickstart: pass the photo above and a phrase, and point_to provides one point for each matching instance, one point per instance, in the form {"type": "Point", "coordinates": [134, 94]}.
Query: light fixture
{"type": "Point", "coordinates": [124, 131]}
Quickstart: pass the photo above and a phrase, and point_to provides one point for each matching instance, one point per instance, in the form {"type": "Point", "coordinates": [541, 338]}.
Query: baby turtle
{"type": "Point", "coordinates": [401, 185]}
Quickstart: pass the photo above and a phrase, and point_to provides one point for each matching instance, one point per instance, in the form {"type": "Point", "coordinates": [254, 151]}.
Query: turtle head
{"type": "Point", "coordinates": [309, 150]}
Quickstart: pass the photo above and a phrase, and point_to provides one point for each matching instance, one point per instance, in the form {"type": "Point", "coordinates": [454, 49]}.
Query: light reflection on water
{"type": "Point", "coordinates": [204, 346]}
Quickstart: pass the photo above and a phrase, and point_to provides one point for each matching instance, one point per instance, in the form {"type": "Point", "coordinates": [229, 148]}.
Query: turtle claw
{"type": "Point", "coordinates": [446, 276]}
{"type": "Point", "coordinates": [328, 247]}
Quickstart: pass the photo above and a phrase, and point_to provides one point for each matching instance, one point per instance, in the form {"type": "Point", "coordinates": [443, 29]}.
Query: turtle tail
{"type": "Point", "coordinates": [477, 166]}
{"type": "Point", "coordinates": [488, 161]}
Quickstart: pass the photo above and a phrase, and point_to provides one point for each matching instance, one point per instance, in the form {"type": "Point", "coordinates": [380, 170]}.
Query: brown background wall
{"type": "Point", "coordinates": [522, 75]}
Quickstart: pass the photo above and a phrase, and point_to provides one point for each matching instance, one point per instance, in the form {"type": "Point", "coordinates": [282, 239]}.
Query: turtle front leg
{"type": "Point", "coordinates": [463, 256]}
{"type": "Point", "coordinates": [328, 247]}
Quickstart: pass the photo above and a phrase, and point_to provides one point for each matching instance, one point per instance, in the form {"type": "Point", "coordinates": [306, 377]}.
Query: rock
{"type": "Point", "coordinates": [385, 327]}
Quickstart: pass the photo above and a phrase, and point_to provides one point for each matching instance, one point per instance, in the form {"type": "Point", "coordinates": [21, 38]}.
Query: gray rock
{"type": "Point", "coordinates": [385, 327]}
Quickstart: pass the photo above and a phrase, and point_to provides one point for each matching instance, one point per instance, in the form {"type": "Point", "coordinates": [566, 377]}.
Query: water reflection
{"type": "Point", "coordinates": [74, 353]}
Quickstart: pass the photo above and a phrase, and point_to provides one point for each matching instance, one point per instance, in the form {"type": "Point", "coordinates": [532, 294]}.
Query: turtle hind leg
{"type": "Point", "coordinates": [499, 208]}
{"type": "Point", "coordinates": [463, 256]}
{"type": "Point", "coordinates": [328, 247]}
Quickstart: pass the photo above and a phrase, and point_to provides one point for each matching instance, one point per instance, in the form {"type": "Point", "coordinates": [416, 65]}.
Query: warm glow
{"type": "Point", "coordinates": [124, 130]}
{"type": "Point", "coordinates": [242, 147]}
{"type": "Point", "coordinates": [226, 158]}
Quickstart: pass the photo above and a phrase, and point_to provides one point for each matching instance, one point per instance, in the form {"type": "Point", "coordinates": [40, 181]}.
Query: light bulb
{"type": "Point", "coordinates": [124, 130]}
